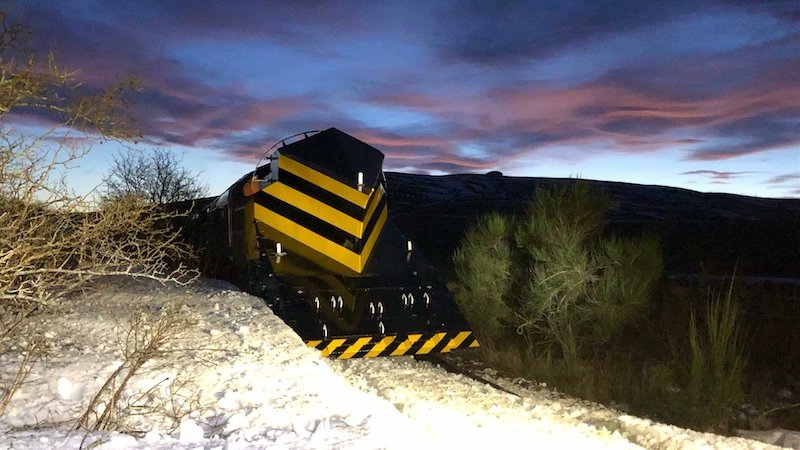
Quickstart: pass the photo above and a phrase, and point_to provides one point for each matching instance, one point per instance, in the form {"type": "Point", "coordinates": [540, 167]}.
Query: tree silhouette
{"type": "Point", "coordinates": [156, 176]}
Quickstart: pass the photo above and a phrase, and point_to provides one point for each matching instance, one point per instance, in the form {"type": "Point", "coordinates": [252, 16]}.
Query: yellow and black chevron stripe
{"type": "Point", "coordinates": [322, 213]}
{"type": "Point", "coordinates": [409, 344]}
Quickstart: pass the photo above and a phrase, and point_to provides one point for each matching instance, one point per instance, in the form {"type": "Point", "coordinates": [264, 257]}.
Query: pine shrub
{"type": "Point", "coordinates": [483, 266]}
{"type": "Point", "coordinates": [554, 276]}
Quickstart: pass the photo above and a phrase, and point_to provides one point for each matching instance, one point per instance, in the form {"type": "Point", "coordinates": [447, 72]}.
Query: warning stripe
{"type": "Point", "coordinates": [403, 348]}
{"type": "Point", "coordinates": [430, 344]}
{"type": "Point", "coordinates": [334, 344]}
{"type": "Point", "coordinates": [379, 347]}
{"type": "Point", "coordinates": [318, 242]}
{"type": "Point", "coordinates": [323, 227]}
{"type": "Point", "coordinates": [353, 349]}
{"type": "Point", "coordinates": [410, 344]}
{"type": "Point", "coordinates": [312, 190]}
{"type": "Point", "coordinates": [320, 179]}
{"type": "Point", "coordinates": [456, 341]}
{"type": "Point", "coordinates": [315, 208]}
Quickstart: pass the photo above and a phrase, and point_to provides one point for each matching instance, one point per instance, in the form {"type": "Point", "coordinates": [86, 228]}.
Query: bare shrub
{"type": "Point", "coordinates": [53, 242]}
{"type": "Point", "coordinates": [48, 252]}
{"type": "Point", "coordinates": [145, 339]}
{"type": "Point", "coordinates": [30, 355]}
{"type": "Point", "coordinates": [173, 400]}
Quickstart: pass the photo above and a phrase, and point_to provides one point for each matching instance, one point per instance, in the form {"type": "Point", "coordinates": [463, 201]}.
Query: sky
{"type": "Point", "coordinates": [703, 95]}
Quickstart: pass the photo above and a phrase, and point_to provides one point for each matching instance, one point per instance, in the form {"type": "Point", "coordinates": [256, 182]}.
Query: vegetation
{"type": "Point", "coordinates": [554, 278]}
{"type": "Point", "coordinates": [145, 339]}
{"type": "Point", "coordinates": [714, 378]}
{"type": "Point", "coordinates": [483, 265]}
{"type": "Point", "coordinates": [157, 177]}
{"type": "Point", "coordinates": [53, 242]}
{"type": "Point", "coordinates": [559, 299]}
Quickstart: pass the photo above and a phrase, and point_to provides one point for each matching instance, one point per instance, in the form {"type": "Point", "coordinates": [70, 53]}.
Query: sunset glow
{"type": "Point", "coordinates": [701, 95]}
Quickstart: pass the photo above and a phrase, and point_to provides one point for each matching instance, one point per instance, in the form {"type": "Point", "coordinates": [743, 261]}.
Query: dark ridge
{"type": "Point", "coordinates": [707, 233]}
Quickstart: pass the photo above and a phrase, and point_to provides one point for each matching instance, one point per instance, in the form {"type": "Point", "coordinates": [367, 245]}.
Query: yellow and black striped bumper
{"type": "Point", "coordinates": [398, 345]}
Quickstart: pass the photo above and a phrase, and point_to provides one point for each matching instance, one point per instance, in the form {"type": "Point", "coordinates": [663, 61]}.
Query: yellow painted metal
{"type": "Point", "coordinates": [380, 347]}
{"type": "Point", "coordinates": [341, 349]}
{"type": "Point", "coordinates": [373, 237]}
{"type": "Point", "coordinates": [431, 343]}
{"type": "Point", "coordinates": [304, 251]}
{"type": "Point", "coordinates": [303, 235]}
{"type": "Point", "coordinates": [320, 179]}
{"type": "Point", "coordinates": [316, 208]}
{"type": "Point", "coordinates": [373, 205]}
{"type": "Point", "coordinates": [456, 341]}
{"type": "Point", "coordinates": [250, 231]}
{"type": "Point", "coordinates": [406, 345]}
{"type": "Point", "coordinates": [353, 349]}
{"type": "Point", "coordinates": [334, 344]}
{"type": "Point", "coordinates": [342, 255]}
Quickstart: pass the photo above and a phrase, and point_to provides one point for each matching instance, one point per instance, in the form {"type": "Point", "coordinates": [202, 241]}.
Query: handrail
{"type": "Point", "coordinates": [282, 143]}
{"type": "Point", "coordinates": [254, 185]}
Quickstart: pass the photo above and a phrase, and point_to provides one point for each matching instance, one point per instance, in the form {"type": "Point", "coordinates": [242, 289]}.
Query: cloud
{"type": "Point", "coordinates": [475, 80]}
{"type": "Point", "coordinates": [756, 133]}
{"type": "Point", "coordinates": [517, 31]}
{"type": "Point", "coordinates": [173, 107]}
{"type": "Point", "coordinates": [793, 178]}
{"type": "Point", "coordinates": [744, 98]}
{"type": "Point", "coordinates": [717, 177]}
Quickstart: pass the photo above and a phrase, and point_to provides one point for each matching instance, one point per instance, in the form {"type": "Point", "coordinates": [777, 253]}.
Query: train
{"type": "Point", "coordinates": [310, 232]}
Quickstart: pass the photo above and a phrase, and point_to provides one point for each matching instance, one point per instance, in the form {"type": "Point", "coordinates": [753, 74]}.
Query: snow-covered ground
{"type": "Point", "coordinates": [238, 377]}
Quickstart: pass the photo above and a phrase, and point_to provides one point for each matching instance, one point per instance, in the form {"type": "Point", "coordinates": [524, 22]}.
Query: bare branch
{"type": "Point", "coordinates": [157, 176]}
{"type": "Point", "coordinates": [52, 242]}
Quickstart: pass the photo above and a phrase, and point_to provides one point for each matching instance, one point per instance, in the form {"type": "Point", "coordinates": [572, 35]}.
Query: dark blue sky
{"type": "Point", "coordinates": [703, 95]}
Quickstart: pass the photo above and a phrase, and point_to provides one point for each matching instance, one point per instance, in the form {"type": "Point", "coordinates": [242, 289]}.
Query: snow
{"type": "Point", "coordinates": [239, 378]}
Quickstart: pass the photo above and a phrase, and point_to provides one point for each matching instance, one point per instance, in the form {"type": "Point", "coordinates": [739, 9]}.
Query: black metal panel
{"type": "Point", "coordinates": [338, 155]}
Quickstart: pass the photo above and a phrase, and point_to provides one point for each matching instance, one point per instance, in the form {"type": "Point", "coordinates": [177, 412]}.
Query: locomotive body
{"type": "Point", "coordinates": [310, 233]}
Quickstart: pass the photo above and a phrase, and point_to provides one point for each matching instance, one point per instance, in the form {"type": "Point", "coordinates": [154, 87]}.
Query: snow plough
{"type": "Point", "coordinates": [309, 231]}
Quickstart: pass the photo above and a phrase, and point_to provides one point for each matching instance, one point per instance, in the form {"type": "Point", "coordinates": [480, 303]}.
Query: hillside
{"type": "Point", "coordinates": [701, 232]}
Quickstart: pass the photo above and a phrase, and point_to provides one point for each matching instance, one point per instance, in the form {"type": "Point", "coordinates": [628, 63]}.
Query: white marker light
{"type": "Point", "coordinates": [360, 178]}
{"type": "Point", "coordinates": [278, 248]}
{"type": "Point", "coordinates": [409, 245]}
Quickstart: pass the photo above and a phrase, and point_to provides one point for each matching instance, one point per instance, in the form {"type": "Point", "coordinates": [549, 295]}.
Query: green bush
{"type": "Point", "coordinates": [715, 370]}
{"type": "Point", "coordinates": [563, 285]}
{"type": "Point", "coordinates": [483, 264]}
{"type": "Point", "coordinates": [553, 296]}
{"type": "Point", "coordinates": [630, 270]}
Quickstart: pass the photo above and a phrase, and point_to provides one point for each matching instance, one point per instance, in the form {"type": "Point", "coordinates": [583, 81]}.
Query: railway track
{"type": "Point", "coordinates": [453, 368]}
